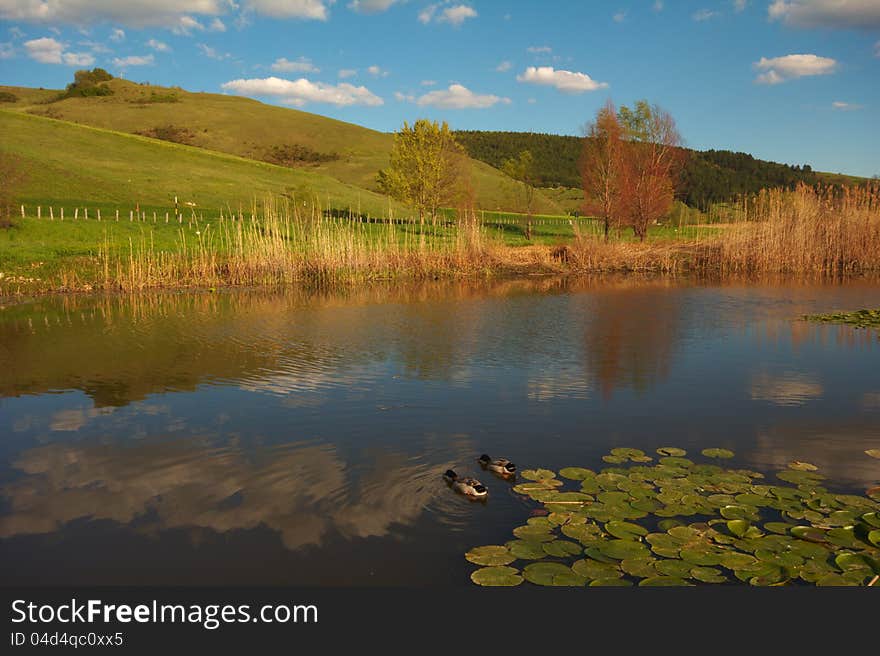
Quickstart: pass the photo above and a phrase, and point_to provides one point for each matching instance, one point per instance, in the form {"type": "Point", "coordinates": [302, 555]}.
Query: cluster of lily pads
{"type": "Point", "coordinates": [859, 318]}
{"type": "Point", "coordinates": [676, 522]}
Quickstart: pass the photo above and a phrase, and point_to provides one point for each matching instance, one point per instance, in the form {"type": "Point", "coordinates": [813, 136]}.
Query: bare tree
{"type": "Point", "coordinates": [602, 167]}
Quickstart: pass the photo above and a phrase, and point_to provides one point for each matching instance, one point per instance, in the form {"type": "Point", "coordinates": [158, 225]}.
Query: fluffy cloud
{"type": "Point", "coordinates": [304, 9]}
{"type": "Point", "coordinates": [539, 50]}
{"type": "Point", "coordinates": [446, 13]}
{"type": "Point", "coordinates": [458, 97]}
{"type": "Point", "coordinates": [504, 66]}
{"type": "Point", "coordinates": [7, 50]}
{"type": "Point", "coordinates": [566, 81]}
{"type": "Point", "coordinates": [301, 65]}
{"type": "Point", "coordinates": [376, 71]}
{"type": "Point", "coordinates": [213, 53]}
{"type": "Point", "coordinates": [740, 5]}
{"type": "Point", "coordinates": [371, 6]}
{"type": "Point", "coordinates": [780, 69]}
{"type": "Point", "coordinates": [863, 14]}
{"type": "Point", "coordinates": [302, 91]}
{"type": "Point", "coordinates": [117, 35]}
{"type": "Point", "coordinates": [178, 15]}
{"type": "Point", "coordinates": [50, 51]}
{"type": "Point", "coordinates": [345, 73]}
{"type": "Point", "coordinates": [704, 15]}
{"type": "Point", "coordinates": [133, 60]}
{"type": "Point", "coordinates": [158, 46]}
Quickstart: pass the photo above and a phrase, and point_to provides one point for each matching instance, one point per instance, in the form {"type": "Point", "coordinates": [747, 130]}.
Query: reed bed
{"type": "Point", "coordinates": [284, 243]}
{"type": "Point", "coordinates": [832, 231]}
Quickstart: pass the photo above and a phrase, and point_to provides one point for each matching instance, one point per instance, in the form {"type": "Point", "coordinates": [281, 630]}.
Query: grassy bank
{"type": "Point", "coordinates": [804, 232]}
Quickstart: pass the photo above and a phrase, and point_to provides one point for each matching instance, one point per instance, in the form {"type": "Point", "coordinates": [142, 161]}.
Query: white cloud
{"type": "Point", "coordinates": [303, 9]}
{"type": "Point", "coordinates": [864, 14]}
{"type": "Point", "coordinates": [402, 97]}
{"type": "Point", "coordinates": [131, 13]}
{"type": "Point", "coordinates": [504, 66]}
{"type": "Point", "coordinates": [539, 50]}
{"type": "Point", "coordinates": [301, 65]}
{"type": "Point", "coordinates": [178, 15]}
{"type": "Point", "coordinates": [845, 106]}
{"type": "Point", "coordinates": [49, 51]}
{"type": "Point", "coordinates": [376, 71]}
{"type": "Point", "coordinates": [134, 60]}
{"type": "Point", "coordinates": [619, 17]}
{"type": "Point", "coordinates": [459, 97]}
{"type": "Point", "coordinates": [7, 50]}
{"type": "Point", "coordinates": [158, 46]}
{"type": "Point", "coordinates": [428, 83]}
{"type": "Point", "coordinates": [454, 14]}
{"type": "Point", "coordinates": [780, 69]}
{"type": "Point", "coordinates": [213, 53]}
{"type": "Point", "coordinates": [567, 81]}
{"type": "Point", "coordinates": [740, 5]}
{"type": "Point", "coordinates": [302, 91]}
{"type": "Point", "coordinates": [345, 73]}
{"type": "Point", "coordinates": [95, 46]}
{"type": "Point", "coordinates": [658, 5]}
{"type": "Point", "coordinates": [117, 35]}
{"type": "Point", "coordinates": [703, 15]}
{"type": "Point", "coordinates": [371, 6]}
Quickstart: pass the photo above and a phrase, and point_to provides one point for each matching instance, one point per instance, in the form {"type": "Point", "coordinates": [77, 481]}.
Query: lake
{"type": "Point", "coordinates": [299, 437]}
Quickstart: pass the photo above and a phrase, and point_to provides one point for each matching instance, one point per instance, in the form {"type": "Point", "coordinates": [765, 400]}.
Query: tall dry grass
{"type": "Point", "coordinates": [831, 231]}
{"type": "Point", "coordinates": [284, 242]}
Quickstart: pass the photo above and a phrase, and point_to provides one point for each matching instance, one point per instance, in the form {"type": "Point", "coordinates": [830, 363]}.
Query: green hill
{"type": "Point", "coordinates": [249, 129]}
{"type": "Point", "coordinates": [712, 176]}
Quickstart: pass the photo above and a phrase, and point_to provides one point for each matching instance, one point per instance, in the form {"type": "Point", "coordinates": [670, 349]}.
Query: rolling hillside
{"type": "Point", "coordinates": [250, 129]}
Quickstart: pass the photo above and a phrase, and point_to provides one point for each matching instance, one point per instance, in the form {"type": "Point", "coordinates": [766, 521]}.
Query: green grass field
{"type": "Point", "coordinates": [250, 129]}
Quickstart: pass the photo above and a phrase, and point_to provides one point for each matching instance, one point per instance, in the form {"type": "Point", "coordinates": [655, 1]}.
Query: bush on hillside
{"type": "Point", "coordinates": [6, 96]}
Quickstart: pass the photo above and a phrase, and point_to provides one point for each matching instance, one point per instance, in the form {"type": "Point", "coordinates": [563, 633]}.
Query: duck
{"type": "Point", "coordinates": [501, 466]}
{"type": "Point", "coordinates": [467, 486]}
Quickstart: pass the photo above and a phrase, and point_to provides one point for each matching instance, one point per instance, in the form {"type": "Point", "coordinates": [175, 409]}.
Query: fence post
{"type": "Point", "coordinates": [99, 214]}
{"type": "Point", "coordinates": [130, 215]}
{"type": "Point", "coordinates": [86, 211]}
{"type": "Point", "coordinates": [154, 216]}
{"type": "Point", "coordinates": [166, 217]}
{"type": "Point", "coordinates": [117, 214]}
{"type": "Point", "coordinates": [22, 211]}
{"type": "Point", "coordinates": [51, 214]}
{"type": "Point", "coordinates": [62, 213]}
{"type": "Point", "coordinates": [75, 214]}
{"type": "Point", "coordinates": [39, 212]}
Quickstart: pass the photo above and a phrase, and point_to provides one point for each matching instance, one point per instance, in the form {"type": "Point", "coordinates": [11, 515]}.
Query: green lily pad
{"type": "Point", "coordinates": [639, 567]}
{"type": "Point", "coordinates": [800, 477]}
{"type": "Point", "coordinates": [525, 550]}
{"type": "Point", "coordinates": [542, 523]}
{"type": "Point", "coordinates": [497, 577]}
{"type": "Point", "coordinates": [717, 453]}
{"type": "Point", "coordinates": [810, 533]}
{"type": "Point", "coordinates": [533, 534]}
{"type": "Point", "coordinates": [669, 567]}
{"type": "Point", "coordinates": [667, 524]}
{"type": "Point", "coordinates": [835, 580]}
{"type": "Point", "coordinates": [552, 574]}
{"type": "Point", "coordinates": [739, 527]}
{"type": "Point", "coordinates": [872, 519]}
{"type": "Point", "coordinates": [843, 537]}
{"type": "Point", "coordinates": [584, 533]}
{"type": "Point", "coordinates": [625, 530]}
{"type": "Point", "coordinates": [594, 569]}
{"type": "Point", "coordinates": [623, 549]}
{"type": "Point", "coordinates": [850, 561]}
{"type": "Point", "coordinates": [566, 518]}
{"type": "Point", "coordinates": [780, 528]}
{"type": "Point", "coordinates": [676, 462]}
{"type": "Point", "coordinates": [669, 581]}
{"type": "Point", "coordinates": [739, 512]}
{"type": "Point", "coordinates": [707, 575]}
{"type": "Point", "coordinates": [538, 474]}
{"type": "Point", "coordinates": [490, 556]}
{"type": "Point", "coordinates": [614, 460]}
{"type": "Point", "coordinates": [797, 465]}
{"type": "Point", "coordinates": [737, 561]}
{"type": "Point", "coordinates": [562, 548]}
{"type": "Point", "coordinates": [576, 473]}
{"type": "Point", "coordinates": [703, 556]}
{"type": "Point", "coordinates": [874, 537]}
{"type": "Point", "coordinates": [673, 451]}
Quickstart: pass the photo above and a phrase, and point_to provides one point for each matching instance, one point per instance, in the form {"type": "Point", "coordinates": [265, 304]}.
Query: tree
{"type": "Point", "coordinates": [521, 169]}
{"type": "Point", "coordinates": [428, 168]}
{"type": "Point", "coordinates": [602, 167]}
{"type": "Point", "coordinates": [651, 162]}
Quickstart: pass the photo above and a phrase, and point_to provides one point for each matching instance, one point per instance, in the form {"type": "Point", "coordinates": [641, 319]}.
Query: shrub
{"type": "Point", "coordinates": [6, 96]}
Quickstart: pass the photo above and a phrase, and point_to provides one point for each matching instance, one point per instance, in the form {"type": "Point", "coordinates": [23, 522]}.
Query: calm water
{"type": "Point", "coordinates": [299, 438]}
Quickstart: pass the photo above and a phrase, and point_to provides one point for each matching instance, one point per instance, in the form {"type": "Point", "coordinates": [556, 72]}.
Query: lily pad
{"type": "Point", "coordinates": [593, 569]}
{"type": "Point", "coordinates": [625, 530]}
{"type": "Point", "coordinates": [717, 453]}
{"type": "Point", "coordinates": [525, 550]}
{"type": "Point", "coordinates": [584, 533]}
{"type": "Point", "coordinates": [810, 533]}
{"type": "Point", "coordinates": [639, 567]}
{"type": "Point", "coordinates": [552, 574]}
{"type": "Point", "coordinates": [797, 465]}
{"type": "Point", "coordinates": [669, 581]}
{"type": "Point", "coordinates": [707, 575]}
{"type": "Point", "coordinates": [538, 474]}
{"type": "Point", "coordinates": [739, 527]}
{"type": "Point", "coordinates": [562, 548]}
{"type": "Point", "coordinates": [490, 556]}
{"type": "Point", "coordinates": [497, 577]}
{"type": "Point", "coordinates": [610, 583]}
{"type": "Point", "coordinates": [737, 561]}
{"type": "Point", "coordinates": [576, 473]}
{"type": "Point", "coordinates": [671, 451]}
{"type": "Point", "coordinates": [669, 567]}
{"type": "Point", "coordinates": [622, 549]}
{"type": "Point", "coordinates": [533, 534]}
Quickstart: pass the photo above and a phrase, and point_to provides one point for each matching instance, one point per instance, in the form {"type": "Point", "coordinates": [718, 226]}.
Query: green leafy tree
{"type": "Point", "coordinates": [521, 169]}
{"type": "Point", "coordinates": [428, 168]}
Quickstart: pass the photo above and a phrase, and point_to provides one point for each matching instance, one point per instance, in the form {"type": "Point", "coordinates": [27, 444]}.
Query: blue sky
{"type": "Point", "coordinates": [796, 81]}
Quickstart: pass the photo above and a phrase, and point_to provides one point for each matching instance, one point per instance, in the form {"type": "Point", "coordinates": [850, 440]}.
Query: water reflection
{"type": "Point", "coordinates": [301, 491]}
